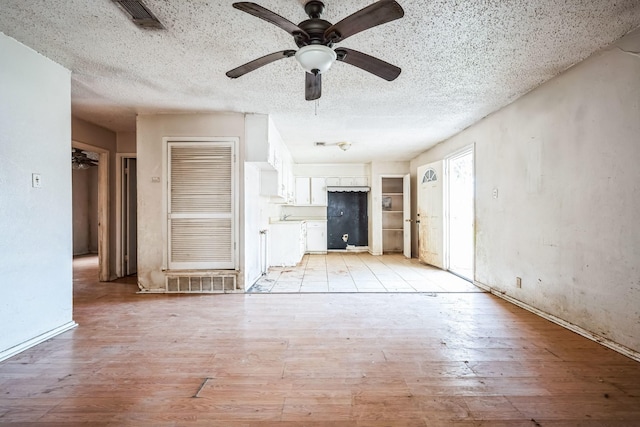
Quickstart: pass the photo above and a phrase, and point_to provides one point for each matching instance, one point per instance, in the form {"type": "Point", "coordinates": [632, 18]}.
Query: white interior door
{"type": "Point", "coordinates": [406, 214]}
{"type": "Point", "coordinates": [430, 214]}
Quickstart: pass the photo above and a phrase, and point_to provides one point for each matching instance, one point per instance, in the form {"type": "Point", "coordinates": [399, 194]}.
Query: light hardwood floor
{"type": "Point", "coordinates": [313, 359]}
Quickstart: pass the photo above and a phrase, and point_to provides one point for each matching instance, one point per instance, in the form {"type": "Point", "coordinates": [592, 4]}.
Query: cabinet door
{"type": "Point", "coordinates": [347, 181]}
{"type": "Point", "coordinates": [257, 138]}
{"type": "Point", "coordinates": [317, 236]}
{"type": "Point", "coordinates": [333, 182]}
{"type": "Point", "coordinates": [286, 243]}
{"type": "Point", "coordinates": [291, 191]}
{"type": "Point", "coordinates": [303, 195]}
{"type": "Point", "coordinates": [361, 181]}
{"type": "Point", "coordinates": [318, 191]}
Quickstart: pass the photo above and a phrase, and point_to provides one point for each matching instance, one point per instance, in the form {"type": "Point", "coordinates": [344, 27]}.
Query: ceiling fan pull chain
{"type": "Point", "coordinates": [317, 105]}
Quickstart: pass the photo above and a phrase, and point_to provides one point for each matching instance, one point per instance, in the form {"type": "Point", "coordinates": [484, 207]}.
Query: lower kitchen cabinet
{"type": "Point", "coordinates": [287, 243]}
{"type": "Point", "coordinates": [317, 237]}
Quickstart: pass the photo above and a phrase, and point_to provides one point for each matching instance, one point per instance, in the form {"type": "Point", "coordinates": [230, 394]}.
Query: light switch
{"type": "Point", "coordinates": [155, 179]}
{"type": "Point", "coordinates": [36, 180]}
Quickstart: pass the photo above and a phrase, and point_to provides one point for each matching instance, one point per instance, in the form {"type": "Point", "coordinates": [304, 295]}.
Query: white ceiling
{"type": "Point", "coordinates": [460, 60]}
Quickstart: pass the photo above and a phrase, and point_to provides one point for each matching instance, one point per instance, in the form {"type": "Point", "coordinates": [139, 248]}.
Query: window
{"type": "Point", "coordinates": [429, 176]}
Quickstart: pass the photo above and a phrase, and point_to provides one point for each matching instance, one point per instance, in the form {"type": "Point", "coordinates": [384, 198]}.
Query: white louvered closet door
{"type": "Point", "coordinates": [201, 205]}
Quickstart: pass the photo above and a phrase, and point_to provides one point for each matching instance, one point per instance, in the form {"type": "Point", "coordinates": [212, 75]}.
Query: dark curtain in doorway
{"type": "Point", "coordinates": [347, 221]}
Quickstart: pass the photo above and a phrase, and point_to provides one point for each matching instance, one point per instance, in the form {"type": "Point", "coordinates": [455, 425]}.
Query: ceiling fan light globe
{"type": "Point", "coordinates": [315, 58]}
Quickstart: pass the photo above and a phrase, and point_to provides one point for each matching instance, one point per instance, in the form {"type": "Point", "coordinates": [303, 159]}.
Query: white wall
{"type": "Point", "coordinates": [151, 129]}
{"type": "Point", "coordinates": [565, 160]}
{"type": "Point", "coordinates": [301, 212]}
{"type": "Point", "coordinates": [126, 142]}
{"type": "Point", "coordinates": [35, 223]}
{"type": "Point", "coordinates": [331, 170]}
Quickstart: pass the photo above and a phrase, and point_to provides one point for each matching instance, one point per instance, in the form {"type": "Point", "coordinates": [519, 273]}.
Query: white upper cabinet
{"type": "Point", "coordinates": [303, 191]}
{"type": "Point", "coordinates": [348, 181]}
{"type": "Point", "coordinates": [318, 192]}
{"type": "Point", "coordinates": [311, 191]}
{"type": "Point", "coordinates": [259, 146]}
{"type": "Point", "coordinates": [265, 148]}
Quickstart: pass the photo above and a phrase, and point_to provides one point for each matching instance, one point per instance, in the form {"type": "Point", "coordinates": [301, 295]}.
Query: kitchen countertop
{"type": "Point", "coordinates": [286, 221]}
{"type": "Point", "coordinates": [294, 219]}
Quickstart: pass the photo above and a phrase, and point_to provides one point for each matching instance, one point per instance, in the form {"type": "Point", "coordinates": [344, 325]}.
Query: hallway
{"type": "Point", "coordinates": [312, 359]}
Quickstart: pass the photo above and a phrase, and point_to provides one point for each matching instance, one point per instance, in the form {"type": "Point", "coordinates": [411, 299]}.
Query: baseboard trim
{"type": "Point", "coordinates": [10, 352]}
{"type": "Point", "coordinates": [626, 351]}
{"type": "Point", "coordinates": [164, 291]}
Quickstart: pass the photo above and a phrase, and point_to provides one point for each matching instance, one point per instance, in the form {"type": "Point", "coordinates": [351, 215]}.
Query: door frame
{"type": "Point", "coordinates": [447, 208]}
{"type": "Point", "coordinates": [103, 207]}
{"type": "Point", "coordinates": [405, 215]}
{"type": "Point", "coordinates": [119, 212]}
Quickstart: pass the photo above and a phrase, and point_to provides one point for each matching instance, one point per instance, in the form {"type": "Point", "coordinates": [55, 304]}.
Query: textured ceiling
{"type": "Point", "coordinates": [460, 60]}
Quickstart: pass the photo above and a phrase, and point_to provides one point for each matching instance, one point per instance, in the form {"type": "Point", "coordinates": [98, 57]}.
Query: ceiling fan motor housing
{"type": "Point", "coordinates": [314, 26]}
{"type": "Point", "coordinates": [314, 8]}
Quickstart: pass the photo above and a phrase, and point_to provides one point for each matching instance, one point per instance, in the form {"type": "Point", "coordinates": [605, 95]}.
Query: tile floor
{"type": "Point", "coordinates": [360, 272]}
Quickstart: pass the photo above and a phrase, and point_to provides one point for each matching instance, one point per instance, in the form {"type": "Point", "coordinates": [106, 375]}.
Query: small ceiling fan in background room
{"type": "Point", "coordinates": [80, 160]}
{"type": "Point", "coordinates": [315, 37]}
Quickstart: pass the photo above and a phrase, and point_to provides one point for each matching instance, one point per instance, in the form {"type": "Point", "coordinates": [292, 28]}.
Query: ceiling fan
{"type": "Point", "coordinates": [80, 160]}
{"type": "Point", "coordinates": [315, 38]}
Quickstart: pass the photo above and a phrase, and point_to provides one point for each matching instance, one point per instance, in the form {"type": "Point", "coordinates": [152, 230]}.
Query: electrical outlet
{"type": "Point", "coordinates": [494, 193]}
{"type": "Point", "coordinates": [518, 282]}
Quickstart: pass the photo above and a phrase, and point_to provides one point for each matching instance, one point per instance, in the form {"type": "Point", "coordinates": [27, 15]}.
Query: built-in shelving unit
{"type": "Point", "coordinates": [392, 215]}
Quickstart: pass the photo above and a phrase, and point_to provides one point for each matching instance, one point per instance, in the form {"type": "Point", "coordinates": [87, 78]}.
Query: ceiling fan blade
{"type": "Point", "coordinates": [312, 86]}
{"type": "Point", "coordinates": [257, 63]}
{"type": "Point", "coordinates": [375, 14]}
{"type": "Point", "coordinates": [368, 63]}
{"type": "Point", "coordinates": [271, 17]}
